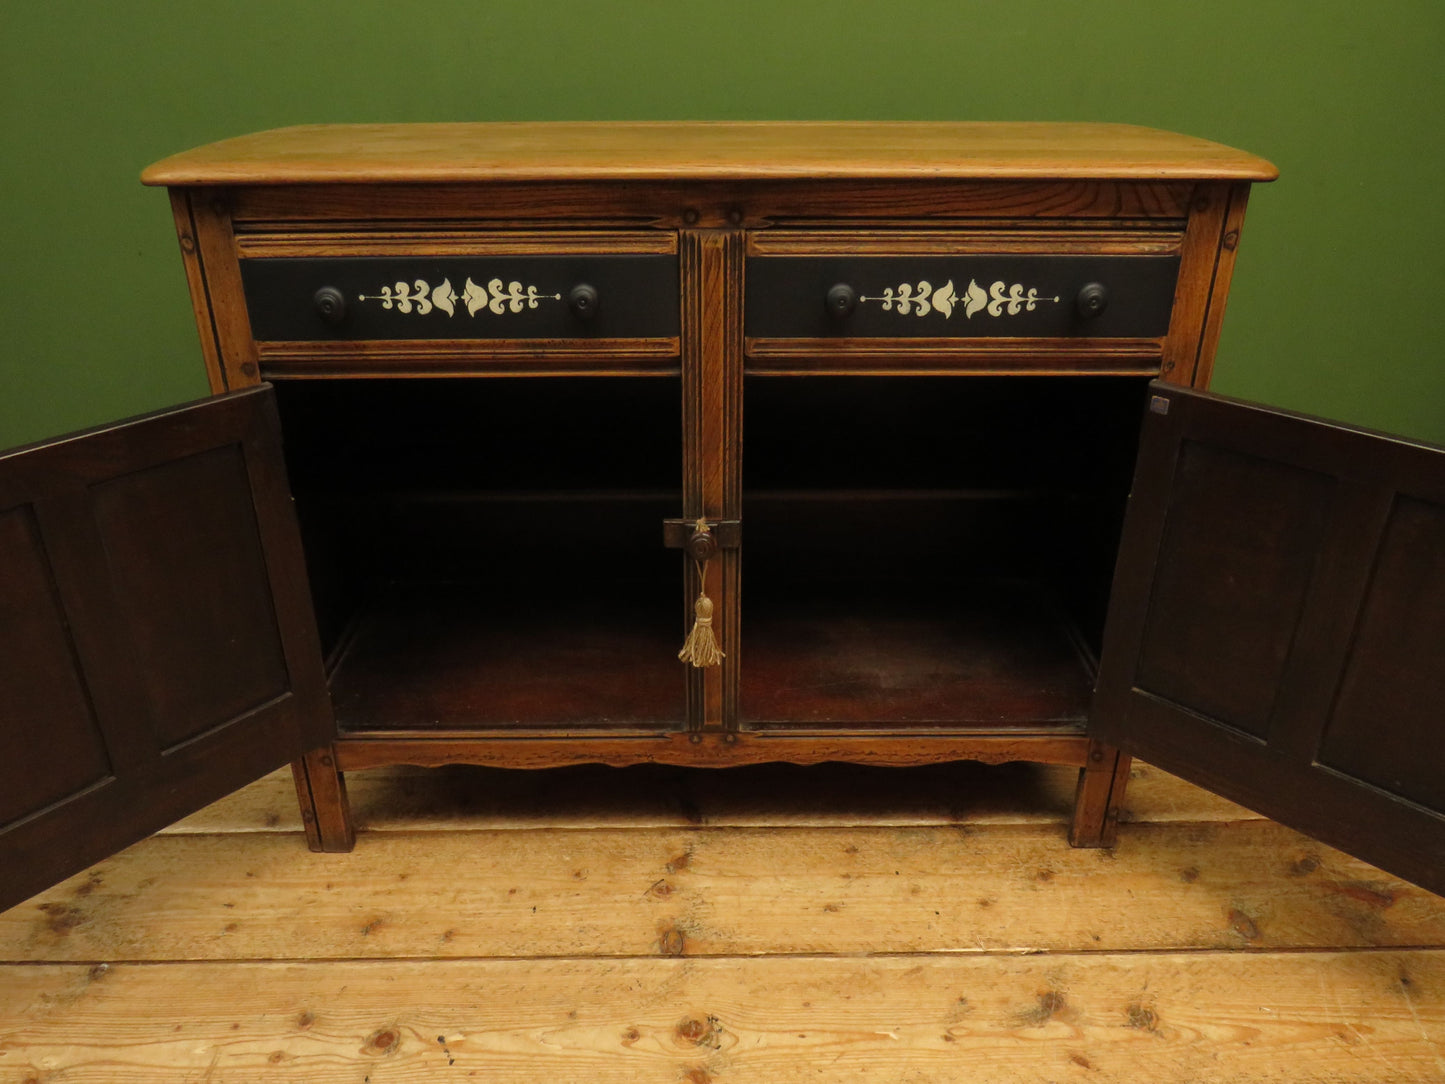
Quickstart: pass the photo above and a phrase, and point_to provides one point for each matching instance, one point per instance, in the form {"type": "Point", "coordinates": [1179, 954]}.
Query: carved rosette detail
{"type": "Point", "coordinates": [921, 299]}
{"type": "Point", "coordinates": [496, 297]}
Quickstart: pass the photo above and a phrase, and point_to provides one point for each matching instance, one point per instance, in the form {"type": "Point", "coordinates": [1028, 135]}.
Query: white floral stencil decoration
{"type": "Point", "coordinates": [496, 297]}
{"type": "Point", "coordinates": [922, 299]}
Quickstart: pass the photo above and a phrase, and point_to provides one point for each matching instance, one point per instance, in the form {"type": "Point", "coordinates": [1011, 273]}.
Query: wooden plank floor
{"type": "Point", "coordinates": [769, 925]}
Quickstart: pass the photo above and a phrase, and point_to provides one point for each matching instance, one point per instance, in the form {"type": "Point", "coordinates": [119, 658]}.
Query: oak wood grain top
{"type": "Point", "coordinates": [686, 151]}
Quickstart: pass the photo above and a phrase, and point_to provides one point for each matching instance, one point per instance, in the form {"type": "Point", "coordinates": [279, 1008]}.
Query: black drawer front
{"type": "Point", "coordinates": [485, 297]}
{"type": "Point", "coordinates": [1029, 296]}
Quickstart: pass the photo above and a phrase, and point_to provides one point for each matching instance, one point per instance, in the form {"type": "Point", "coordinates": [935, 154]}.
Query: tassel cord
{"type": "Point", "coordinates": [701, 647]}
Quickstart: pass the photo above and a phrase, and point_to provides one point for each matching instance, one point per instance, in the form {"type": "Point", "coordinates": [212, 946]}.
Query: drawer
{"type": "Point", "coordinates": [963, 297]}
{"type": "Point", "coordinates": [452, 303]}
{"type": "Point", "coordinates": [1019, 304]}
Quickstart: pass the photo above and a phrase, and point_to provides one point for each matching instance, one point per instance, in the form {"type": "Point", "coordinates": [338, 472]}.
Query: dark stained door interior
{"type": "Point", "coordinates": [159, 643]}
{"type": "Point", "coordinates": [1277, 626]}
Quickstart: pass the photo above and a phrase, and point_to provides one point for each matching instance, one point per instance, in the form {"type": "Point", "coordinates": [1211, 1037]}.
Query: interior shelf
{"type": "Point", "coordinates": [466, 657]}
{"type": "Point", "coordinates": [962, 655]}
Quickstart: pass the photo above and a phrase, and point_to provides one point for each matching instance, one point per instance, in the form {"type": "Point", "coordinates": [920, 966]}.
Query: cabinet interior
{"type": "Point", "coordinates": [918, 552]}
{"type": "Point", "coordinates": [930, 552]}
{"type": "Point", "coordinates": [487, 553]}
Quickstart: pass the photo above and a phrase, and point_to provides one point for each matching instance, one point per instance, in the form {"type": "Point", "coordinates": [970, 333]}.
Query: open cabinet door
{"type": "Point", "coordinates": [1277, 626]}
{"type": "Point", "coordinates": [159, 647]}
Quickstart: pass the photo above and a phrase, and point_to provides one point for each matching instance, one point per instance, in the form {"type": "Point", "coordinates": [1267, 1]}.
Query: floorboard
{"type": "Point", "coordinates": [773, 924]}
{"type": "Point", "coordinates": [721, 891]}
{"type": "Point", "coordinates": [1363, 1016]}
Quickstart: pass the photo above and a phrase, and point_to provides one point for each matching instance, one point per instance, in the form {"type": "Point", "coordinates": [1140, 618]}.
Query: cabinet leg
{"type": "Point", "coordinates": [1100, 794]}
{"type": "Point", "coordinates": [325, 811]}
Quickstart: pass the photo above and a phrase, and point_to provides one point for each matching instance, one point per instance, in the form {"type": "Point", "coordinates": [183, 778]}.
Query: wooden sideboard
{"type": "Point", "coordinates": [864, 401]}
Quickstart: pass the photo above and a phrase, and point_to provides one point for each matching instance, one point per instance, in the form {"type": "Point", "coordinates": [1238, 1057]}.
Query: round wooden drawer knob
{"type": "Point", "coordinates": [1093, 299]}
{"type": "Point", "coordinates": [583, 301]}
{"type": "Point", "coordinates": [330, 305]}
{"type": "Point", "coordinates": [841, 300]}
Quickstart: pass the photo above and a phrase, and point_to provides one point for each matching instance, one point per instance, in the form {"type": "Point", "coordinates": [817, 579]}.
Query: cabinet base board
{"type": "Point", "coordinates": [1103, 773]}
{"type": "Point", "coordinates": [707, 749]}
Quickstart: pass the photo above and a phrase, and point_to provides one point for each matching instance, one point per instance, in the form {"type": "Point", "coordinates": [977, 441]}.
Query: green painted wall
{"type": "Point", "coordinates": [1342, 269]}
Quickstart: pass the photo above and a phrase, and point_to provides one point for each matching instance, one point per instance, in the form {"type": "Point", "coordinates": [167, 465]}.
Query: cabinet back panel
{"type": "Point", "coordinates": [560, 433]}
{"type": "Point", "coordinates": [940, 432]}
{"type": "Point", "coordinates": [874, 480]}
{"type": "Point", "coordinates": [513, 484]}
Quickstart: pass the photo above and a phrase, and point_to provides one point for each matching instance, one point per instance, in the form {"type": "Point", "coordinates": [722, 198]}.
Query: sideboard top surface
{"type": "Point", "coordinates": [703, 151]}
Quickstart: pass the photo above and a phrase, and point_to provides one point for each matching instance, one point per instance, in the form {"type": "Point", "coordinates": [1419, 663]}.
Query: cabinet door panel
{"type": "Point", "coordinates": [45, 690]}
{"type": "Point", "coordinates": [179, 604]}
{"type": "Point", "coordinates": [1396, 668]}
{"type": "Point", "coordinates": [1278, 623]}
{"type": "Point", "coordinates": [160, 645]}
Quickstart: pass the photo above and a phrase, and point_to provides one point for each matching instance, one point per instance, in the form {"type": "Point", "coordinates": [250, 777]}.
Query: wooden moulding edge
{"type": "Point", "coordinates": [458, 242]}
{"type": "Point", "coordinates": [470, 357]}
{"type": "Point", "coordinates": [580, 204]}
{"type": "Point", "coordinates": [995, 357]}
{"type": "Point", "coordinates": [715, 749]}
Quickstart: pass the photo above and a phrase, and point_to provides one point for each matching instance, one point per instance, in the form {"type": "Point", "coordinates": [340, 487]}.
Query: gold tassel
{"type": "Point", "coordinates": [700, 648]}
